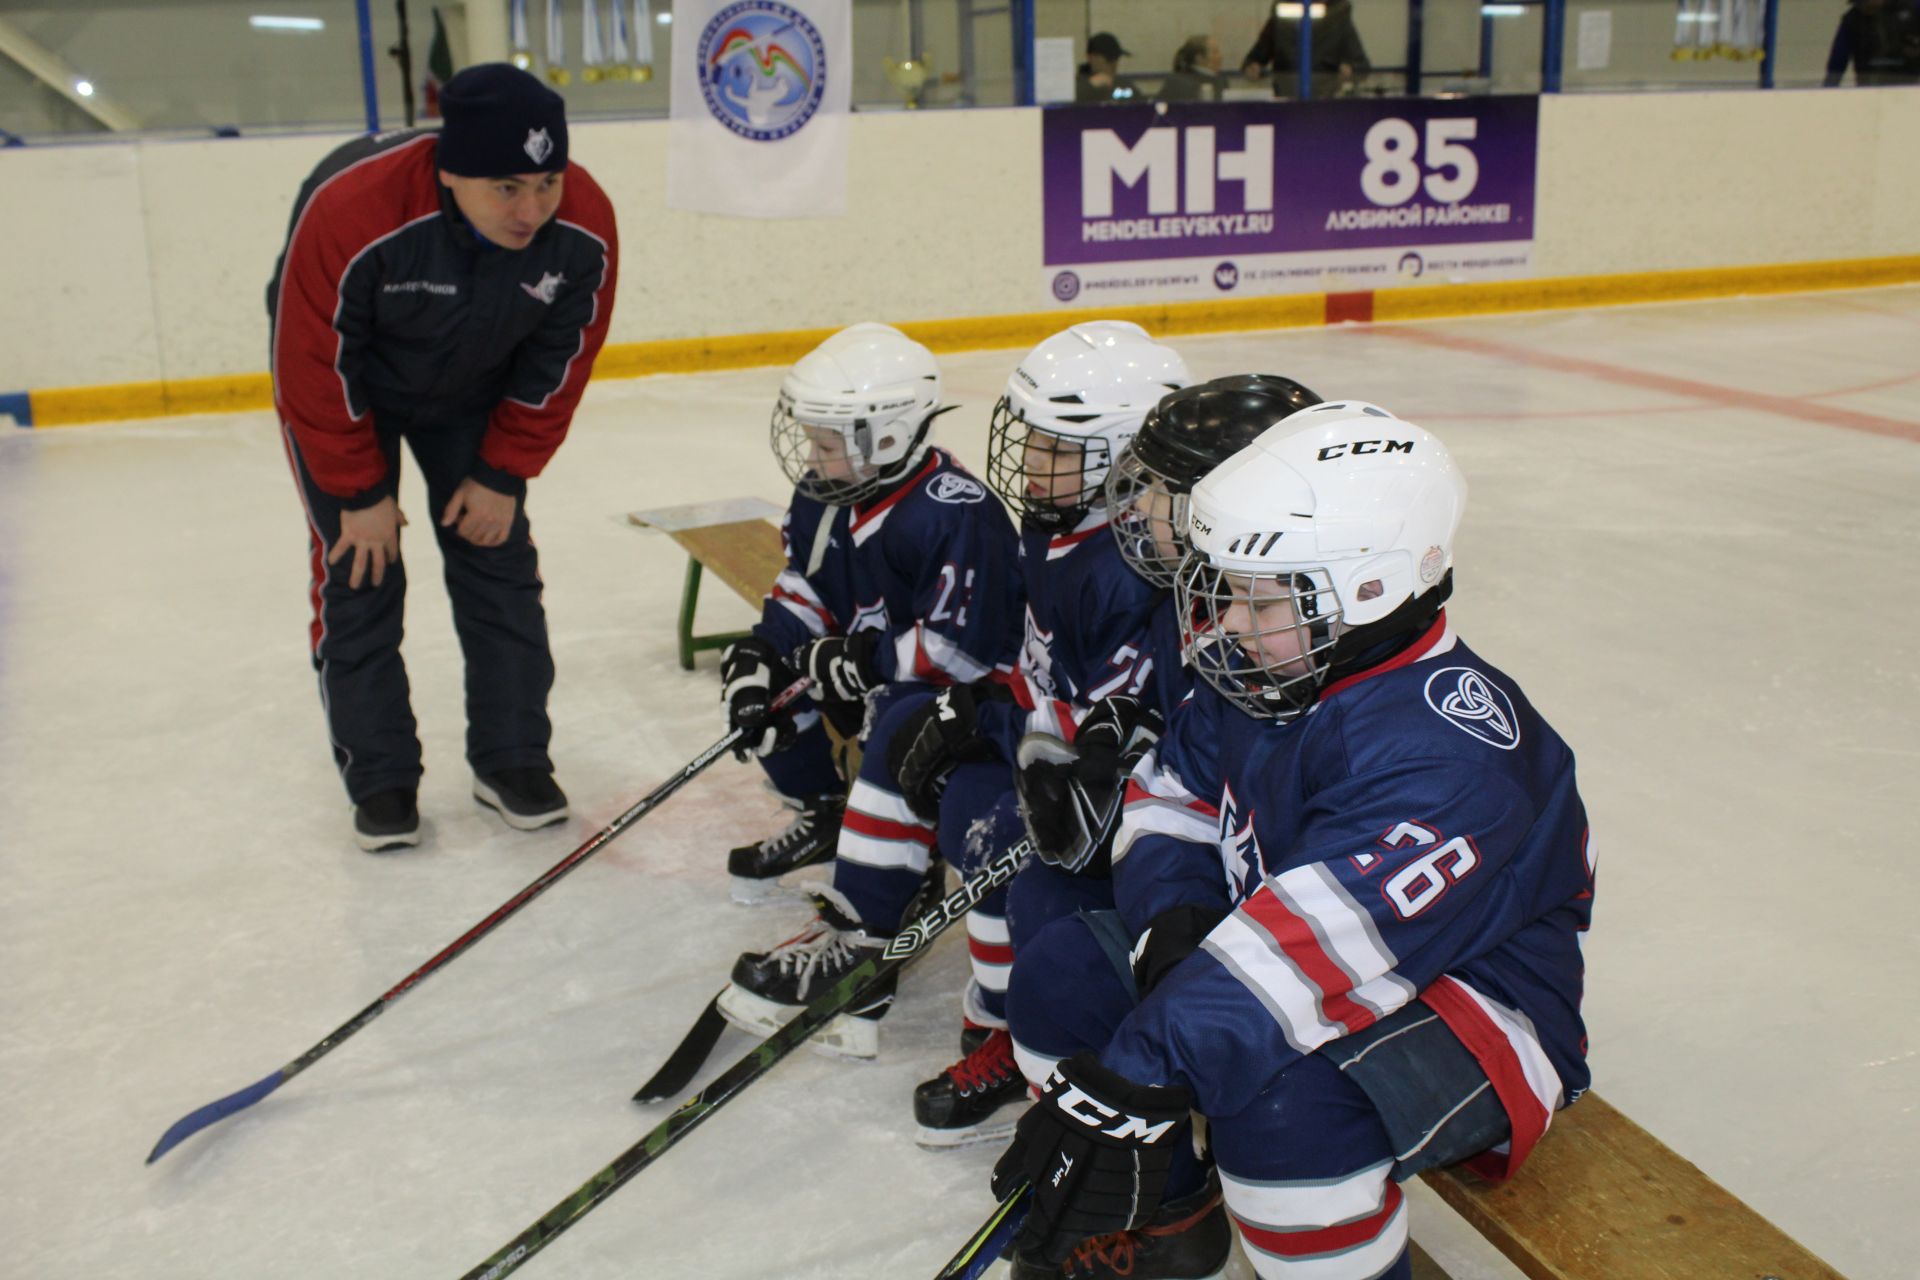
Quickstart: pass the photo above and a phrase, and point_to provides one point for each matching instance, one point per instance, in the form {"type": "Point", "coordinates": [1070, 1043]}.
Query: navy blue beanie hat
{"type": "Point", "coordinates": [501, 121]}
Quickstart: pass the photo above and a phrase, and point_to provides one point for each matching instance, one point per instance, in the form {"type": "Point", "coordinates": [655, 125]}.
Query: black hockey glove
{"type": "Point", "coordinates": [939, 736]}
{"type": "Point", "coordinates": [1171, 937]}
{"type": "Point", "coordinates": [1071, 795]}
{"type": "Point", "coordinates": [751, 672]}
{"type": "Point", "coordinates": [1096, 1148]}
{"type": "Point", "coordinates": [841, 666]}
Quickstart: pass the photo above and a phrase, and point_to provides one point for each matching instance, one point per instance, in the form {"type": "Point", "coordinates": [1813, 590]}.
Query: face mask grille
{"type": "Point", "coordinates": [827, 464]}
{"type": "Point", "coordinates": [1065, 470]}
{"type": "Point", "coordinates": [1149, 514]}
{"type": "Point", "coordinates": [1266, 643]}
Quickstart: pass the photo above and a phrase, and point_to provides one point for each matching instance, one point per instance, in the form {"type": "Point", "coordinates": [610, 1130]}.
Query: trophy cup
{"type": "Point", "coordinates": [910, 78]}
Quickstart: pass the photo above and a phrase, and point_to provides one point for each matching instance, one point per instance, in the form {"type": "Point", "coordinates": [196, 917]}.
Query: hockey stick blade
{"type": "Point", "coordinates": [989, 1243]}
{"type": "Point", "coordinates": [828, 1005]}
{"type": "Point", "coordinates": [213, 1112]}
{"type": "Point", "coordinates": [685, 1062]}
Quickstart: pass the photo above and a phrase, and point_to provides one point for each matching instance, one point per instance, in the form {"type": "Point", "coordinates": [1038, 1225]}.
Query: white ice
{"type": "Point", "coordinates": [1694, 537]}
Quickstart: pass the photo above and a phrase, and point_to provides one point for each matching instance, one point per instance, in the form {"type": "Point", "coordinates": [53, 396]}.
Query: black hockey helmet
{"type": "Point", "coordinates": [1187, 434]}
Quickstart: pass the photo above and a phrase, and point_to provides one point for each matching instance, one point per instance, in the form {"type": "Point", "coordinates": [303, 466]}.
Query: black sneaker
{"type": "Point", "coordinates": [769, 988]}
{"type": "Point", "coordinates": [387, 820]}
{"type": "Point", "coordinates": [974, 1099]}
{"type": "Point", "coordinates": [809, 839]}
{"type": "Point", "coordinates": [527, 799]}
{"type": "Point", "coordinates": [1187, 1239]}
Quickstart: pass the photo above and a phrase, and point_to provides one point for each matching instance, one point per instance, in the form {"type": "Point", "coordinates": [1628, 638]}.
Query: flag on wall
{"type": "Point", "coordinates": [439, 66]}
{"type": "Point", "coordinates": [761, 91]}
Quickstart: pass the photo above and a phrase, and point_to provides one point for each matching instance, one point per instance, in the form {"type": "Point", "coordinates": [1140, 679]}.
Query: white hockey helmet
{"type": "Point", "coordinates": [1071, 406]}
{"type": "Point", "coordinates": [853, 413]}
{"type": "Point", "coordinates": [1315, 551]}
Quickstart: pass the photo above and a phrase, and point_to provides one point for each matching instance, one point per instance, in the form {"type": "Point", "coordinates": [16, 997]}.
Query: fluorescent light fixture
{"type": "Point", "coordinates": [269, 22]}
{"type": "Point", "coordinates": [83, 87]}
{"type": "Point", "coordinates": [1698, 17]}
{"type": "Point", "coordinates": [1290, 12]}
{"type": "Point", "coordinates": [663, 19]}
{"type": "Point", "coordinates": [1502, 10]}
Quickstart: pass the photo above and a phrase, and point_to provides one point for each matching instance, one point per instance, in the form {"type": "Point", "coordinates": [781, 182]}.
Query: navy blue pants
{"type": "Point", "coordinates": [497, 613]}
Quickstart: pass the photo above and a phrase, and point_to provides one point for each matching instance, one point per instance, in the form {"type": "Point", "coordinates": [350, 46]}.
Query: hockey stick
{"type": "Point", "coordinates": [855, 983]}
{"type": "Point", "coordinates": [685, 1061]}
{"type": "Point", "coordinates": [990, 1242]}
{"type": "Point", "coordinates": [221, 1108]}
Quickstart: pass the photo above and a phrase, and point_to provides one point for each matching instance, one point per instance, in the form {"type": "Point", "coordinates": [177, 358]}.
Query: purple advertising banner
{"type": "Point", "coordinates": [1282, 196]}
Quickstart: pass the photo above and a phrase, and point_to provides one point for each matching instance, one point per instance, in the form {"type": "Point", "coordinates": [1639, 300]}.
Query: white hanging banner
{"type": "Point", "coordinates": [761, 91]}
{"type": "Point", "coordinates": [642, 34]}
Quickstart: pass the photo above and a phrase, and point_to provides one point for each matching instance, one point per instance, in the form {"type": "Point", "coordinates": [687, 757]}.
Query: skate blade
{"type": "Point", "coordinates": [847, 1037]}
{"type": "Point", "coordinates": [755, 1015]}
{"type": "Point", "coordinates": [994, 1129]}
{"type": "Point", "coordinates": [748, 892]}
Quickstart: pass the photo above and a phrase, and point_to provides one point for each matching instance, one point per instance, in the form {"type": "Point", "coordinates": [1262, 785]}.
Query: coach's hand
{"type": "Point", "coordinates": [481, 515]}
{"type": "Point", "coordinates": [373, 535]}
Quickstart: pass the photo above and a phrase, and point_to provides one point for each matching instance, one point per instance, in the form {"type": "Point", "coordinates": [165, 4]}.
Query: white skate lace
{"type": "Point", "coordinates": [820, 949]}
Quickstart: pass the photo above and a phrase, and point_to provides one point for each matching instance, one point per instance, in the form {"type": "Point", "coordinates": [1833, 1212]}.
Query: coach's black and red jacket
{"type": "Point", "coordinates": [387, 306]}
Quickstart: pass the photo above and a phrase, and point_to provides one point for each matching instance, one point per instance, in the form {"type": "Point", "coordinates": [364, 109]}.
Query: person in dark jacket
{"type": "Point", "coordinates": [1196, 75]}
{"type": "Point", "coordinates": [1880, 39]}
{"type": "Point", "coordinates": [451, 289]}
{"type": "Point", "coordinates": [1099, 78]}
{"type": "Point", "coordinates": [1339, 59]}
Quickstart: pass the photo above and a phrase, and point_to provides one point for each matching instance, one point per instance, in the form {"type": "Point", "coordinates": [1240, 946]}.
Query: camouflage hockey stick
{"type": "Point", "coordinates": [911, 941]}
{"type": "Point", "coordinates": [221, 1108]}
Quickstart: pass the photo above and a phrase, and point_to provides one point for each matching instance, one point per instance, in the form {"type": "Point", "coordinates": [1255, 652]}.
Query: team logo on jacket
{"type": "Point", "coordinates": [1473, 704]}
{"type": "Point", "coordinates": [762, 69]}
{"type": "Point", "coordinates": [952, 487]}
{"type": "Point", "coordinates": [548, 289]}
{"type": "Point", "coordinates": [538, 145]}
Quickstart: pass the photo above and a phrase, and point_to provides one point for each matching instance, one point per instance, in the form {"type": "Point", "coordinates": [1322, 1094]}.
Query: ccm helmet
{"type": "Point", "coordinates": [1315, 552]}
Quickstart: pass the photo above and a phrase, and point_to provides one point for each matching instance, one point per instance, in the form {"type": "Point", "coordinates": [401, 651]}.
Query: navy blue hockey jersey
{"type": "Point", "coordinates": [931, 567]}
{"type": "Point", "coordinates": [1417, 833]}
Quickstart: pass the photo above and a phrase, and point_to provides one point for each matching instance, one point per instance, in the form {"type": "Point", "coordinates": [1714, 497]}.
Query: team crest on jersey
{"type": "Point", "coordinates": [870, 617]}
{"type": "Point", "coordinates": [1475, 705]}
{"type": "Point", "coordinates": [1239, 847]}
{"type": "Point", "coordinates": [953, 488]}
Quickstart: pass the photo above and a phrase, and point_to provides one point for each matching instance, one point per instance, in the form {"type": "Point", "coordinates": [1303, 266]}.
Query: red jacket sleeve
{"type": "Point", "coordinates": [324, 315]}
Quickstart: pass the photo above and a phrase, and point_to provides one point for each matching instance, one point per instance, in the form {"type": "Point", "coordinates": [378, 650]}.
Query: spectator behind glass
{"type": "Point", "coordinates": [1100, 79]}
{"type": "Point", "coordinates": [1881, 39]}
{"type": "Point", "coordinates": [1196, 73]}
{"type": "Point", "coordinates": [1339, 59]}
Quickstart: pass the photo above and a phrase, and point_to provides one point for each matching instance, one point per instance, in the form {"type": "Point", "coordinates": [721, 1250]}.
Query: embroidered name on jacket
{"type": "Point", "coordinates": [422, 286]}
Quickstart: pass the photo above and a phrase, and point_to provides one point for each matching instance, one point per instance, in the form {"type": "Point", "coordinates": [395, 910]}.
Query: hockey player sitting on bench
{"type": "Point", "coordinates": [900, 575]}
{"type": "Point", "coordinates": [1350, 884]}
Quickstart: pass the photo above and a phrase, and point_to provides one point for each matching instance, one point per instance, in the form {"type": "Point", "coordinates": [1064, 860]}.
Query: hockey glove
{"type": "Point", "coordinates": [1071, 795]}
{"type": "Point", "coordinates": [842, 667]}
{"type": "Point", "coordinates": [750, 673]}
{"type": "Point", "coordinates": [1171, 937]}
{"type": "Point", "coordinates": [939, 736]}
{"type": "Point", "coordinates": [1096, 1148]}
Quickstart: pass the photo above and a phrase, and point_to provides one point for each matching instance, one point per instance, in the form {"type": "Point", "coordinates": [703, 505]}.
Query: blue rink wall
{"type": "Point", "coordinates": [135, 281]}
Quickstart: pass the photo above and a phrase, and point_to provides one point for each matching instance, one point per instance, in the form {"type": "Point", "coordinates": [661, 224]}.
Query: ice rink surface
{"type": "Point", "coordinates": [1694, 537]}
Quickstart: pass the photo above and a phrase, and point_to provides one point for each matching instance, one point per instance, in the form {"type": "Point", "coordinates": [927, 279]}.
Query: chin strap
{"type": "Point", "coordinates": [1373, 643]}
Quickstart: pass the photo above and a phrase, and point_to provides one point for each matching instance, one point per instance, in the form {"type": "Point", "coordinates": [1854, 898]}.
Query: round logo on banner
{"type": "Point", "coordinates": [1066, 286]}
{"type": "Point", "coordinates": [762, 69]}
{"type": "Point", "coordinates": [1225, 276]}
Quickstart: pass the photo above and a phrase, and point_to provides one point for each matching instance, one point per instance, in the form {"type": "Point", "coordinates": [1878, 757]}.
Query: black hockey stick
{"type": "Point", "coordinates": [219, 1109]}
{"type": "Point", "coordinates": [854, 984]}
{"type": "Point", "coordinates": [989, 1242]}
{"type": "Point", "coordinates": [684, 1063]}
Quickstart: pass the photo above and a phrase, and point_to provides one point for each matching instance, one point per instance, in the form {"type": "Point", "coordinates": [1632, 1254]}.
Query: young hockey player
{"type": "Point", "coordinates": [1070, 407]}
{"type": "Point", "coordinates": [1350, 881]}
{"type": "Point", "coordinates": [900, 571]}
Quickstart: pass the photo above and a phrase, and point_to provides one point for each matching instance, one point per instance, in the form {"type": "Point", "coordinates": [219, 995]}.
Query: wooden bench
{"type": "Point", "coordinates": [1600, 1198]}
{"type": "Point", "coordinates": [730, 539]}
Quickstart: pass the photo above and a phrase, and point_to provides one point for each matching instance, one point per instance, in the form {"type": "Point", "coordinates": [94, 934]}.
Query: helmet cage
{"type": "Point", "coordinates": [1274, 666]}
{"type": "Point", "coordinates": [1010, 471]}
{"type": "Point", "coordinates": [795, 444]}
{"type": "Point", "coordinates": [1148, 509]}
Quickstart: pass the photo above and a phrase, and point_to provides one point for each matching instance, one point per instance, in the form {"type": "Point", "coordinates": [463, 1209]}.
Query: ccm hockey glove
{"type": "Point", "coordinates": [1096, 1148]}
{"type": "Point", "coordinates": [939, 736]}
{"type": "Point", "coordinates": [841, 666]}
{"type": "Point", "coordinates": [751, 671]}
